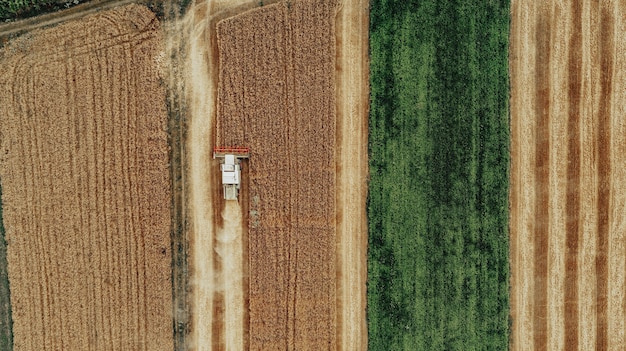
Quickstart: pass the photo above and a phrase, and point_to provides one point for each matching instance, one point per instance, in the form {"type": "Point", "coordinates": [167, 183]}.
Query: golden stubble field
{"type": "Point", "coordinates": [568, 175]}
{"type": "Point", "coordinates": [86, 188]}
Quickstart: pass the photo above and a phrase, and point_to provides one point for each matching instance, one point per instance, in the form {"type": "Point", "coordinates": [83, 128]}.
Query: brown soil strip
{"type": "Point", "coordinates": [573, 178]}
{"type": "Point", "coordinates": [604, 173]}
{"type": "Point", "coordinates": [86, 185]}
{"type": "Point", "coordinates": [171, 60]}
{"type": "Point", "coordinates": [542, 173]}
{"type": "Point", "coordinates": [219, 308]}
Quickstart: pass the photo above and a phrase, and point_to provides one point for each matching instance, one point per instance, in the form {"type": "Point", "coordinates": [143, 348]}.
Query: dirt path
{"type": "Point", "coordinates": [567, 177]}
{"type": "Point", "coordinates": [229, 249]}
{"type": "Point", "coordinates": [352, 118]}
{"type": "Point", "coordinates": [200, 205]}
{"type": "Point", "coordinates": [201, 93]}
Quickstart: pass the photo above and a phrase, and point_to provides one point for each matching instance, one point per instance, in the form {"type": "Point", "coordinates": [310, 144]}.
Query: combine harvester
{"type": "Point", "coordinates": [230, 165]}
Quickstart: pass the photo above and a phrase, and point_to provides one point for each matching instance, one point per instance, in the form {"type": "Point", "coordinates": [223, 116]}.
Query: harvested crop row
{"type": "Point", "coordinates": [277, 96]}
{"type": "Point", "coordinates": [86, 191]}
{"type": "Point", "coordinates": [568, 170]}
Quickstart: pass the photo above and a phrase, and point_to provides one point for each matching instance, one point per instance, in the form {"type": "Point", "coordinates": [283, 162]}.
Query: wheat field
{"type": "Point", "coordinates": [86, 188]}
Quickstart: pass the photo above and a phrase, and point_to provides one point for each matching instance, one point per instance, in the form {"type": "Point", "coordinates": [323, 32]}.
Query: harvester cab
{"type": "Point", "coordinates": [230, 166]}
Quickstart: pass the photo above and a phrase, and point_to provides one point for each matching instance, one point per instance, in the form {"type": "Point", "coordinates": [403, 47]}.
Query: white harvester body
{"type": "Point", "coordinates": [231, 174]}
{"type": "Point", "coordinates": [231, 169]}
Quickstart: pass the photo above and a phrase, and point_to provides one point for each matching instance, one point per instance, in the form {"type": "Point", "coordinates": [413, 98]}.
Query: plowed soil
{"type": "Point", "coordinates": [568, 175]}
{"type": "Point", "coordinates": [277, 95]}
{"type": "Point", "coordinates": [86, 189]}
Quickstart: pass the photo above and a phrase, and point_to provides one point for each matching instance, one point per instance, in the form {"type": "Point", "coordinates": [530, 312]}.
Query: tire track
{"type": "Point", "coordinates": [41, 278]}
{"type": "Point", "coordinates": [574, 67]}
{"type": "Point", "coordinates": [617, 274]}
{"type": "Point", "coordinates": [542, 178]}
{"type": "Point", "coordinates": [82, 166]}
{"type": "Point", "coordinates": [604, 174]}
{"type": "Point", "coordinates": [229, 249]}
{"type": "Point", "coordinates": [75, 174]}
{"type": "Point", "coordinates": [29, 242]}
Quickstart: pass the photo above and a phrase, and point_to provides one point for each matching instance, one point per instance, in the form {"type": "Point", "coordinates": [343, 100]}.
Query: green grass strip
{"type": "Point", "coordinates": [19, 9]}
{"type": "Point", "coordinates": [438, 272]}
{"type": "Point", "coordinates": [6, 323]}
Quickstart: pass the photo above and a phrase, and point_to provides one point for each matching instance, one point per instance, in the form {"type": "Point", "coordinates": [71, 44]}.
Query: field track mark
{"type": "Point", "coordinates": [27, 183]}
{"type": "Point", "coordinates": [134, 198]}
{"type": "Point", "coordinates": [617, 260]}
{"type": "Point", "coordinates": [80, 167]}
{"type": "Point", "coordinates": [29, 277]}
{"type": "Point", "coordinates": [542, 193]}
{"type": "Point", "coordinates": [103, 146]}
{"type": "Point", "coordinates": [120, 187]}
{"type": "Point", "coordinates": [558, 166]}
{"type": "Point", "coordinates": [122, 156]}
{"type": "Point", "coordinates": [93, 102]}
{"type": "Point", "coordinates": [109, 207]}
{"type": "Point", "coordinates": [69, 131]}
{"type": "Point", "coordinates": [74, 202]}
{"type": "Point", "coordinates": [38, 245]}
{"type": "Point", "coordinates": [574, 67]}
{"type": "Point", "coordinates": [604, 174]}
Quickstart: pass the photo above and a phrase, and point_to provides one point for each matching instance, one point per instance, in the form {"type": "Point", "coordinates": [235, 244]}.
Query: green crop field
{"type": "Point", "coordinates": [19, 9]}
{"type": "Point", "coordinates": [6, 334]}
{"type": "Point", "coordinates": [438, 266]}
{"type": "Point", "coordinates": [10, 9]}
